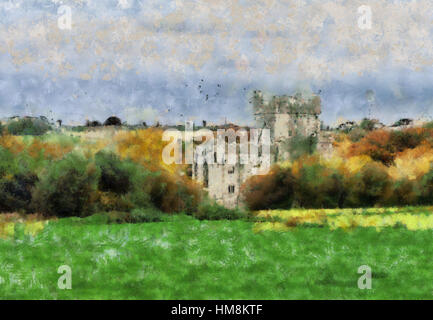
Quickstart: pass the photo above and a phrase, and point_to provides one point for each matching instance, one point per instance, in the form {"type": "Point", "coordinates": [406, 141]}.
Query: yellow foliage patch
{"type": "Point", "coordinates": [420, 218]}
{"type": "Point", "coordinates": [33, 224]}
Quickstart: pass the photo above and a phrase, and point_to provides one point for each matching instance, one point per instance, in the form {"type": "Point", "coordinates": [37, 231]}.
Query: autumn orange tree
{"type": "Point", "coordinates": [385, 146]}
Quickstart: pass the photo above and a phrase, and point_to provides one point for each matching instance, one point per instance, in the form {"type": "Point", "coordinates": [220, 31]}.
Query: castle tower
{"type": "Point", "coordinates": [286, 117]}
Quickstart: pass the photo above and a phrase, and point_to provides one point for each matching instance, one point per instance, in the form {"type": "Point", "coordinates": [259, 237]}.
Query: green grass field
{"type": "Point", "coordinates": [184, 258]}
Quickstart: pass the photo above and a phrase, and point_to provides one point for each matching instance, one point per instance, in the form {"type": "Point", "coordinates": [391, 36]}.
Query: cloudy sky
{"type": "Point", "coordinates": [173, 60]}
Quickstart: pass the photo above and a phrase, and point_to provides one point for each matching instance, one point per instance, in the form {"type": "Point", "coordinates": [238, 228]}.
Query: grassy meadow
{"type": "Point", "coordinates": [185, 258]}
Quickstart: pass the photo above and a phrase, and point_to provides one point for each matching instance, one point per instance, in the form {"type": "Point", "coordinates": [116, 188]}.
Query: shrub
{"type": "Point", "coordinates": [403, 192]}
{"type": "Point", "coordinates": [368, 124]}
{"type": "Point", "coordinates": [376, 145]}
{"type": "Point", "coordinates": [28, 126]}
{"type": "Point", "coordinates": [119, 217]}
{"type": "Point", "coordinates": [67, 188]}
{"type": "Point", "coordinates": [79, 129]}
{"type": "Point", "coordinates": [15, 192]}
{"type": "Point", "coordinates": [428, 125]}
{"type": "Point", "coordinates": [210, 210]}
{"type": "Point", "coordinates": [274, 190]}
{"type": "Point", "coordinates": [384, 146]}
{"type": "Point", "coordinates": [371, 186]}
{"type": "Point", "coordinates": [426, 188]}
{"type": "Point", "coordinates": [146, 215]}
{"type": "Point", "coordinates": [405, 139]}
{"type": "Point", "coordinates": [7, 163]}
{"type": "Point", "coordinates": [356, 134]}
{"type": "Point", "coordinates": [109, 201]}
{"type": "Point", "coordinates": [123, 184]}
{"type": "Point", "coordinates": [317, 186]}
{"type": "Point", "coordinates": [115, 174]}
{"type": "Point", "coordinates": [16, 182]}
{"type": "Point", "coordinates": [174, 194]}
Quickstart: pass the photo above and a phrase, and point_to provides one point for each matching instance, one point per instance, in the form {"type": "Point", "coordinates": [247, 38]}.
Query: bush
{"type": "Point", "coordinates": [368, 124]}
{"type": "Point", "coordinates": [404, 193]}
{"type": "Point", "coordinates": [428, 125]}
{"type": "Point", "coordinates": [210, 210]}
{"type": "Point", "coordinates": [123, 184]}
{"type": "Point", "coordinates": [79, 129]}
{"type": "Point", "coordinates": [27, 126]}
{"type": "Point", "coordinates": [16, 192]}
{"type": "Point", "coordinates": [8, 164]}
{"type": "Point", "coordinates": [16, 182]}
{"type": "Point", "coordinates": [376, 145]}
{"type": "Point", "coordinates": [370, 187]}
{"type": "Point", "coordinates": [119, 217]}
{"type": "Point", "coordinates": [115, 174]}
{"type": "Point", "coordinates": [146, 215]}
{"type": "Point", "coordinates": [356, 134]}
{"type": "Point", "coordinates": [426, 188]}
{"type": "Point", "coordinates": [274, 190]}
{"type": "Point", "coordinates": [384, 146]}
{"type": "Point", "coordinates": [174, 194]}
{"type": "Point", "coordinates": [317, 186]}
{"type": "Point", "coordinates": [109, 201]}
{"type": "Point", "coordinates": [405, 139]}
{"type": "Point", "coordinates": [67, 188]}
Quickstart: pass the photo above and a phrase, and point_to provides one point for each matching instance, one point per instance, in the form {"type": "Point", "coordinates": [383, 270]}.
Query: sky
{"type": "Point", "coordinates": [172, 60]}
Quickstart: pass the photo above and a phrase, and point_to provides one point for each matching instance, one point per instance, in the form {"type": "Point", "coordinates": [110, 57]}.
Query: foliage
{"type": "Point", "coordinates": [426, 187]}
{"type": "Point", "coordinates": [7, 162]}
{"type": "Point", "coordinates": [382, 168]}
{"type": "Point", "coordinates": [130, 173]}
{"type": "Point", "coordinates": [210, 210]}
{"type": "Point", "coordinates": [67, 188]}
{"type": "Point", "coordinates": [317, 186]}
{"type": "Point", "coordinates": [368, 124]}
{"type": "Point", "coordinates": [115, 174]}
{"type": "Point", "coordinates": [28, 126]}
{"type": "Point", "coordinates": [385, 146]}
{"type": "Point", "coordinates": [79, 129]}
{"type": "Point", "coordinates": [404, 192]}
{"type": "Point", "coordinates": [16, 182]}
{"type": "Point", "coordinates": [174, 194]}
{"type": "Point", "coordinates": [310, 182]}
{"type": "Point", "coordinates": [146, 215]}
{"type": "Point", "coordinates": [369, 187]}
{"type": "Point", "coordinates": [274, 190]}
{"type": "Point", "coordinates": [16, 192]}
{"type": "Point", "coordinates": [411, 218]}
{"type": "Point", "coordinates": [356, 134]}
{"type": "Point", "coordinates": [119, 217]}
{"type": "Point", "coordinates": [300, 145]}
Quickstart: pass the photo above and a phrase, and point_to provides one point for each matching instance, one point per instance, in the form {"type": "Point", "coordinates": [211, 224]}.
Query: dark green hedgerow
{"type": "Point", "coordinates": [28, 126]}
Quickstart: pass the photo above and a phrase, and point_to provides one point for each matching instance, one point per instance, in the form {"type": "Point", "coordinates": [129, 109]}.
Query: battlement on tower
{"type": "Point", "coordinates": [296, 104]}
